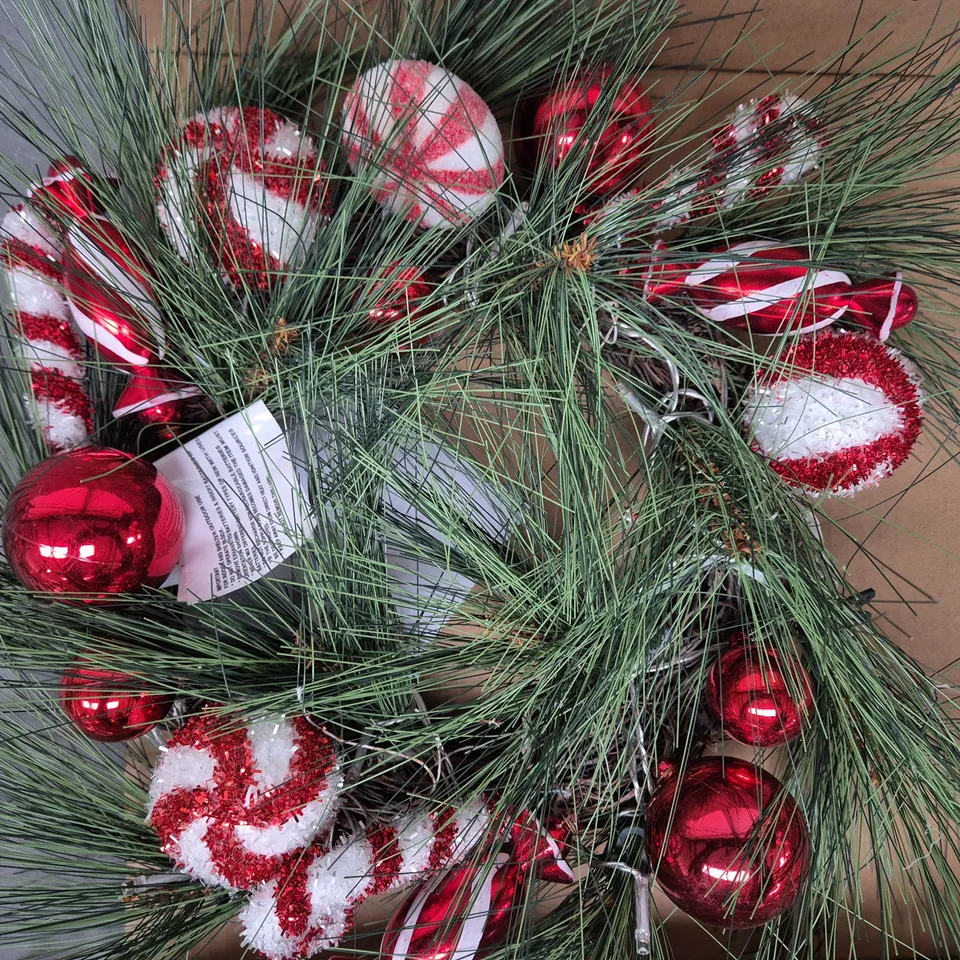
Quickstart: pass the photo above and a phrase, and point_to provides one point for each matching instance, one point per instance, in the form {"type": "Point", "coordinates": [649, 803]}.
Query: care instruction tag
{"type": "Point", "coordinates": [242, 504]}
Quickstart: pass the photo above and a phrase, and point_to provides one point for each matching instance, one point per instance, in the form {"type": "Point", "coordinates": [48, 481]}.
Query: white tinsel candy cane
{"type": "Point", "coordinates": [311, 908]}
{"type": "Point", "coordinates": [46, 338]}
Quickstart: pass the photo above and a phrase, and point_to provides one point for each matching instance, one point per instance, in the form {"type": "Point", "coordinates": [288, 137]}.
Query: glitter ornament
{"type": "Point", "coordinates": [473, 907]}
{"type": "Point", "coordinates": [727, 843]}
{"type": "Point", "coordinates": [92, 523]}
{"type": "Point", "coordinates": [761, 699]}
{"type": "Point", "coordinates": [255, 185]}
{"type": "Point", "coordinates": [46, 340]}
{"type": "Point", "coordinates": [310, 906]}
{"type": "Point", "coordinates": [107, 705]}
{"type": "Point", "coordinates": [883, 305]}
{"type": "Point", "coordinates": [835, 413]}
{"type": "Point", "coordinates": [433, 146]}
{"type": "Point", "coordinates": [763, 145]}
{"type": "Point", "coordinates": [234, 804]}
{"type": "Point", "coordinates": [767, 288]}
{"type": "Point", "coordinates": [565, 119]}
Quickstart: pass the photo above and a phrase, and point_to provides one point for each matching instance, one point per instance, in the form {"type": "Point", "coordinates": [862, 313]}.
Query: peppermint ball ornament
{"type": "Point", "coordinates": [836, 413]}
{"type": "Point", "coordinates": [256, 186]}
{"type": "Point", "coordinates": [768, 288]}
{"type": "Point", "coordinates": [432, 145]}
{"type": "Point", "coordinates": [231, 804]}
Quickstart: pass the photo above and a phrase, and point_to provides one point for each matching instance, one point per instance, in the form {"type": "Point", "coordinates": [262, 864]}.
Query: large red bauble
{"type": "Point", "coordinates": [619, 151]}
{"type": "Point", "coordinates": [728, 844]}
{"type": "Point", "coordinates": [750, 694]}
{"type": "Point", "coordinates": [92, 523]}
{"type": "Point", "coordinates": [106, 705]}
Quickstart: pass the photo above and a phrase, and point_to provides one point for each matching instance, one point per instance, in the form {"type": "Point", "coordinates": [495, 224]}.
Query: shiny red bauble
{"type": "Point", "coordinates": [106, 704]}
{"type": "Point", "coordinates": [883, 304]}
{"type": "Point", "coordinates": [92, 523]}
{"type": "Point", "coordinates": [618, 150]}
{"type": "Point", "coordinates": [396, 295]}
{"type": "Point", "coordinates": [760, 697]}
{"type": "Point", "coordinates": [728, 844]}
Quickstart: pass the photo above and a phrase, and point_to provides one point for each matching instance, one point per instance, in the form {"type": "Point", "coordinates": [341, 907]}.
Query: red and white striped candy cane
{"type": "Point", "coordinates": [311, 907]}
{"type": "Point", "coordinates": [768, 288]}
{"type": "Point", "coordinates": [473, 907]}
{"type": "Point", "coordinates": [232, 804]}
{"type": "Point", "coordinates": [46, 338]}
{"type": "Point", "coordinates": [256, 184]}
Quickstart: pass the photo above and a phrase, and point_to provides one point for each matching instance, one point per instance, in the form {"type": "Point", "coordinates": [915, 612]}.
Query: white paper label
{"type": "Point", "coordinates": [243, 507]}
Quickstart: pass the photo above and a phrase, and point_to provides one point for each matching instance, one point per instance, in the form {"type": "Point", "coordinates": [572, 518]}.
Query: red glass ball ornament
{"type": "Point", "coordinates": [93, 522]}
{"type": "Point", "coordinates": [396, 295]}
{"type": "Point", "coordinates": [728, 844]}
{"type": "Point", "coordinates": [619, 151]}
{"type": "Point", "coordinates": [106, 704]}
{"type": "Point", "coordinates": [752, 695]}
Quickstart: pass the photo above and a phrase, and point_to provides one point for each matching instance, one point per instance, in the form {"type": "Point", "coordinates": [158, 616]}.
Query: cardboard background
{"type": "Point", "coordinates": [913, 538]}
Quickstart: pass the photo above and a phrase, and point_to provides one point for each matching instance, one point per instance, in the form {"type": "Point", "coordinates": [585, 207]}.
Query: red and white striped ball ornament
{"type": "Point", "coordinates": [255, 185]}
{"type": "Point", "coordinates": [767, 288]}
{"type": "Point", "coordinates": [310, 906]}
{"type": "Point", "coordinates": [432, 145]}
{"type": "Point", "coordinates": [836, 413]}
{"type": "Point", "coordinates": [46, 340]}
{"type": "Point", "coordinates": [232, 805]}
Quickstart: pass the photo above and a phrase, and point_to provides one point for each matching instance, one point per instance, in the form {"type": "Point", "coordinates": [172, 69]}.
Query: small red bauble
{"type": "Point", "coordinates": [728, 844]}
{"type": "Point", "coordinates": [93, 522]}
{"type": "Point", "coordinates": [106, 705]}
{"type": "Point", "coordinates": [396, 295]}
{"type": "Point", "coordinates": [619, 151]}
{"type": "Point", "coordinates": [750, 694]}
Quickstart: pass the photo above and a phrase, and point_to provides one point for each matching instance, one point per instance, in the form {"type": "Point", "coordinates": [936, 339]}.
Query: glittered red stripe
{"type": "Point", "coordinates": [16, 254]}
{"type": "Point", "coordinates": [445, 829]}
{"type": "Point", "coordinates": [65, 393]}
{"type": "Point", "coordinates": [293, 900]}
{"type": "Point", "coordinates": [35, 327]}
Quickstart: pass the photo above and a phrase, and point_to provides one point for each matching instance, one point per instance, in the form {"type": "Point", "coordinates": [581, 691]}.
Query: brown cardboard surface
{"type": "Point", "coordinates": [906, 533]}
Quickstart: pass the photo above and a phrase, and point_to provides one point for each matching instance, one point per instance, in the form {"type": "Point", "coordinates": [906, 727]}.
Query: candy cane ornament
{"type": "Point", "coordinates": [46, 339]}
{"type": "Point", "coordinates": [432, 144]}
{"type": "Point", "coordinates": [232, 805]}
{"type": "Point", "coordinates": [472, 907]}
{"type": "Point", "coordinates": [311, 906]}
{"type": "Point", "coordinates": [253, 183]}
{"type": "Point", "coordinates": [767, 288]}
